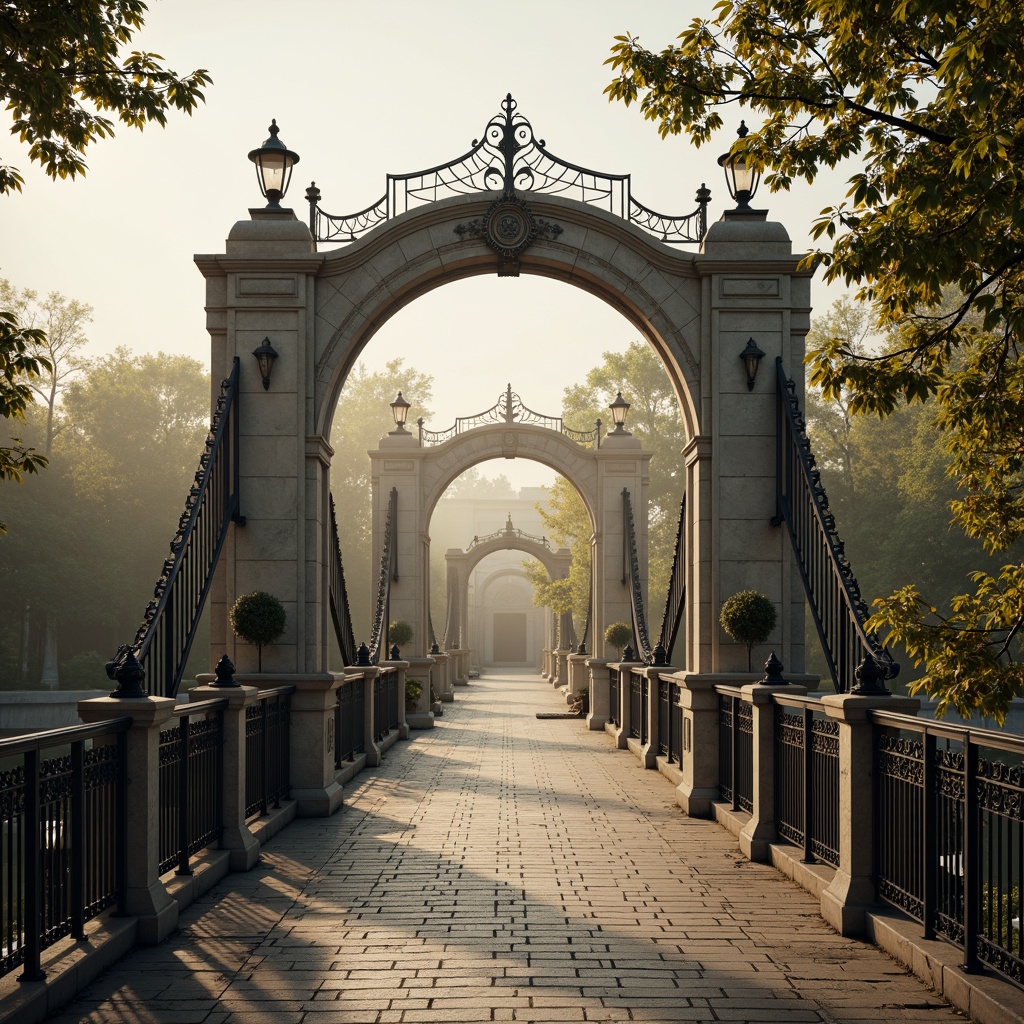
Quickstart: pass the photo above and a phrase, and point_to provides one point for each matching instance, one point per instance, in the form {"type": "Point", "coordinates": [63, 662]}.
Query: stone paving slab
{"type": "Point", "coordinates": [502, 867]}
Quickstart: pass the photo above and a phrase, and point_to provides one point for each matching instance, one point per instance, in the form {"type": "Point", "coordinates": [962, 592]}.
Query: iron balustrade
{"type": "Point", "coordinates": [341, 616]}
{"type": "Point", "coordinates": [349, 720]}
{"type": "Point", "coordinates": [614, 707]}
{"type": "Point", "coordinates": [164, 640]}
{"type": "Point", "coordinates": [807, 779]}
{"type": "Point", "coordinates": [670, 722]}
{"type": "Point", "coordinates": [63, 852]}
{"type": "Point", "coordinates": [267, 750]}
{"type": "Point", "coordinates": [833, 595]}
{"type": "Point", "coordinates": [191, 783]}
{"type": "Point", "coordinates": [386, 708]}
{"type": "Point", "coordinates": [508, 157]}
{"type": "Point", "coordinates": [639, 702]}
{"type": "Point", "coordinates": [735, 749]}
{"type": "Point", "coordinates": [949, 835]}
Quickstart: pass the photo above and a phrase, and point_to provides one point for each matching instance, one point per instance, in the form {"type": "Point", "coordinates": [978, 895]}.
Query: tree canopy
{"type": "Point", "coordinates": [927, 98]}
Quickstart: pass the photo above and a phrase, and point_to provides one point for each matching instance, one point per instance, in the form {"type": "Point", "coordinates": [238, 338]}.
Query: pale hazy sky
{"type": "Point", "coordinates": [359, 90]}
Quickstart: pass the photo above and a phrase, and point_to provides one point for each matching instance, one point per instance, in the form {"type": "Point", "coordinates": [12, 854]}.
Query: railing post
{"type": "Point", "coordinates": [761, 831]}
{"type": "Point", "coordinates": [235, 836]}
{"type": "Point", "coordinates": [852, 890]}
{"type": "Point", "coordinates": [145, 896]}
{"type": "Point", "coordinates": [599, 693]}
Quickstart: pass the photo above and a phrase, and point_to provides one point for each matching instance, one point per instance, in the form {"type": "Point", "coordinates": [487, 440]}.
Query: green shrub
{"type": "Point", "coordinates": [85, 671]}
{"type": "Point", "coordinates": [618, 634]}
{"type": "Point", "coordinates": [413, 689]}
{"type": "Point", "coordinates": [749, 618]}
{"type": "Point", "coordinates": [399, 633]}
{"type": "Point", "coordinates": [258, 618]}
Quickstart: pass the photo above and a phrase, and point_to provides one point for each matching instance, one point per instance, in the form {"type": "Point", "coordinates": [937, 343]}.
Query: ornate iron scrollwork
{"type": "Point", "coordinates": [509, 228]}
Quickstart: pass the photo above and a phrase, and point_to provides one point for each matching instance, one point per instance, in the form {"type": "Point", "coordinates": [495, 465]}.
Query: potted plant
{"type": "Point", "coordinates": [618, 634]}
{"type": "Point", "coordinates": [435, 704]}
{"type": "Point", "coordinates": [399, 634]}
{"type": "Point", "coordinates": [413, 689]}
{"type": "Point", "coordinates": [258, 618]}
{"type": "Point", "coordinates": [749, 618]}
{"type": "Point", "coordinates": [579, 703]}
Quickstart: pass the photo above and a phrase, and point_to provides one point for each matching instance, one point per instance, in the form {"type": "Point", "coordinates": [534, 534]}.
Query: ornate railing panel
{"type": "Point", "coordinates": [164, 640]}
{"type": "Point", "coordinates": [191, 783]}
{"type": "Point", "coordinates": [834, 597]}
{"type": "Point", "coordinates": [388, 572]}
{"type": "Point", "coordinates": [349, 720]}
{"type": "Point", "coordinates": [64, 828]}
{"type": "Point", "coordinates": [735, 749]}
{"type": "Point", "coordinates": [267, 750]}
{"type": "Point", "coordinates": [386, 708]}
{"type": "Point", "coordinates": [508, 158]}
{"type": "Point", "coordinates": [807, 780]}
{"type": "Point", "coordinates": [509, 410]}
{"type": "Point", "coordinates": [341, 616]}
{"type": "Point", "coordinates": [949, 844]}
{"type": "Point", "coordinates": [670, 722]}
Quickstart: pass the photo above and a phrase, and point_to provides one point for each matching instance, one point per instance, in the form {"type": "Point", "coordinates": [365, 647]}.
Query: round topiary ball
{"type": "Point", "coordinates": [258, 618]}
{"type": "Point", "coordinates": [749, 618]}
{"type": "Point", "coordinates": [399, 633]}
{"type": "Point", "coordinates": [618, 634]}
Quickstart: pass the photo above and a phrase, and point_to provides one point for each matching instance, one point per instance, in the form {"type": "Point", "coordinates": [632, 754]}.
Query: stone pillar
{"type": "Point", "coordinates": [145, 896]}
{"type": "Point", "coordinates": [699, 701]}
{"type": "Point", "coordinates": [562, 671]}
{"type": "Point", "coordinates": [579, 678]}
{"type": "Point", "coordinates": [315, 790]}
{"type": "Point", "coordinates": [442, 675]}
{"type": "Point", "coordinates": [235, 834]}
{"type": "Point", "coordinates": [599, 693]}
{"type": "Point", "coordinates": [852, 890]}
{"type": "Point", "coordinates": [761, 831]}
{"type": "Point", "coordinates": [648, 752]}
{"type": "Point", "coordinates": [419, 668]}
{"type": "Point", "coordinates": [625, 707]}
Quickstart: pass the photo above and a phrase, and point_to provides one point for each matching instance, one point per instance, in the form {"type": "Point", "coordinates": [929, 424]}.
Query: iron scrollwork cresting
{"type": "Point", "coordinates": [510, 411]}
{"type": "Point", "coordinates": [184, 584]}
{"type": "Point", "coordinates": [841, 614]}
{"type": "Point", "coordinates": [507, 159]}
{"type": "Point", "coordinates": [388, 572]}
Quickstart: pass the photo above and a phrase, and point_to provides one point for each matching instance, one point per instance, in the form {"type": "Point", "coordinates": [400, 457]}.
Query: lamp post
{"type": "Point", "coordinates": [400, 411]}
{"type": "Point", "coordinates": [751, 357]}
{"type": "Point", "coordinates": [740, 177]}
{"type": "Point", "coordinates": [619, 409]}
{"type": "Point", "coordinates": [265, 356]}
{"type": "Point", "coordinates": [274, 162]}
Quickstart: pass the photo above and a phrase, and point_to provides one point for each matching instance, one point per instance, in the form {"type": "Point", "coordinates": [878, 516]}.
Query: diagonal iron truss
{"type": "Point", "coordinates": [509, 409]}
{"type": "Point", "coordinates": [507, 159]}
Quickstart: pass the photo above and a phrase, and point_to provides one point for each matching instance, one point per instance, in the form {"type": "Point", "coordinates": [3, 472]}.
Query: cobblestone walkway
{"type": "Point", "coordinates": [505, 868]}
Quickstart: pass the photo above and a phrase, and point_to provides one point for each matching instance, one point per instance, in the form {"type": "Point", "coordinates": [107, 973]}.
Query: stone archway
{"type": "Point", "coordinates": [697, 308]}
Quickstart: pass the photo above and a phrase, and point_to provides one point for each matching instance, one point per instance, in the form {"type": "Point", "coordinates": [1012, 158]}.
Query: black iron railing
{"type": "Point", "coordinates": [388, 572]}
{"type": "Point", "coordinates": [735, 750]}
{"type": "Point", "coordinates": [64, 837]}
{"type": "Point", "coordinates": [386, 709]}
{"type": "Point", "coordinates": [614, 706]}
{"type": "Point", "coordinates": [670, 722]}
{"type": "Point", "coordinates": [191, 783]}
{"type": "Point", "coordinates": [833, 595]}
{"type": "Point", "coordinates": [807, 780]}
{"type": "Point", "coordinates": [949, 835]}
{"type": "Point", "coordinates": [349, 720]}
{"type": "Point", "coordinates": [341, 616]}
{"type": "Point", "coordinates": [675, 603]}
{"type": "Point", "coordinates": [510, 411]}
{"type": "Point", "coordinates": [267, 750]}
{"type": "Point", "coordinates": [164, 640]}
{"type": "Point", "coordinates": [508, 157]}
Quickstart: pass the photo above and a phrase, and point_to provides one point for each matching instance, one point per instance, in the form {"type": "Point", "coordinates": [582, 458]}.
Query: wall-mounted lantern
{"type": "Point", "coordinates": [274, 162]}
{"type": "Point", "coordinates": [400, 411]}
{"type": "Point", "coordinates": [265, 356]}
{"type": "Point", "coordinates": [751, 357]}
{"type": "Point", "coordinates": [619, 409]}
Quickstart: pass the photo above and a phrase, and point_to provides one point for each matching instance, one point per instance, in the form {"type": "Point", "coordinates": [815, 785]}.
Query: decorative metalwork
{"type": "Point", "coordinates": [171, 619]}
{"type": "Point", "coordinates": [341, 616]}
{"type": "Point", "coordinates": [509, 227]}
{"type": "Point", "coordinates": [508, 159]}
{"type": "Point", "coordinates": [631, 574]}
{"type": "Point", "coordinates": [509, 533]}
{"type": "Point", "coordinates": [388, 572]}
{"type": "Point", "coordinates": [509, 410]}
{"type": "Point", "coordinates": [834, 597]}
{"type": "Point", "coordinates": [675, 602]}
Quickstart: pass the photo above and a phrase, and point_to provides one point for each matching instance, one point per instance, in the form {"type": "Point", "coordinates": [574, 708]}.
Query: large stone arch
{"type": "Point", "coordinates": [421, 474]}
{"type": "Point", "coordinates": [318, 309]}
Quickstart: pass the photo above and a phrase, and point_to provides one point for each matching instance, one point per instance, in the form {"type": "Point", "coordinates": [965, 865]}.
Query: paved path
{"type": "Point", "coordinates": [505, 868]}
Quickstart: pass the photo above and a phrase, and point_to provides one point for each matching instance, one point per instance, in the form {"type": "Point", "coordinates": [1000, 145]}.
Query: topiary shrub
{"type": "Point", "coordinates": [413, 689]}
{"type": "Point", "coordinates": [399, 633]}
{"type": "Point", "coordinates": [258, 618]}
{"type": "Point", "coordinates": [749, 618]}
{"type": "Point", "coordinates": [618, 634]}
